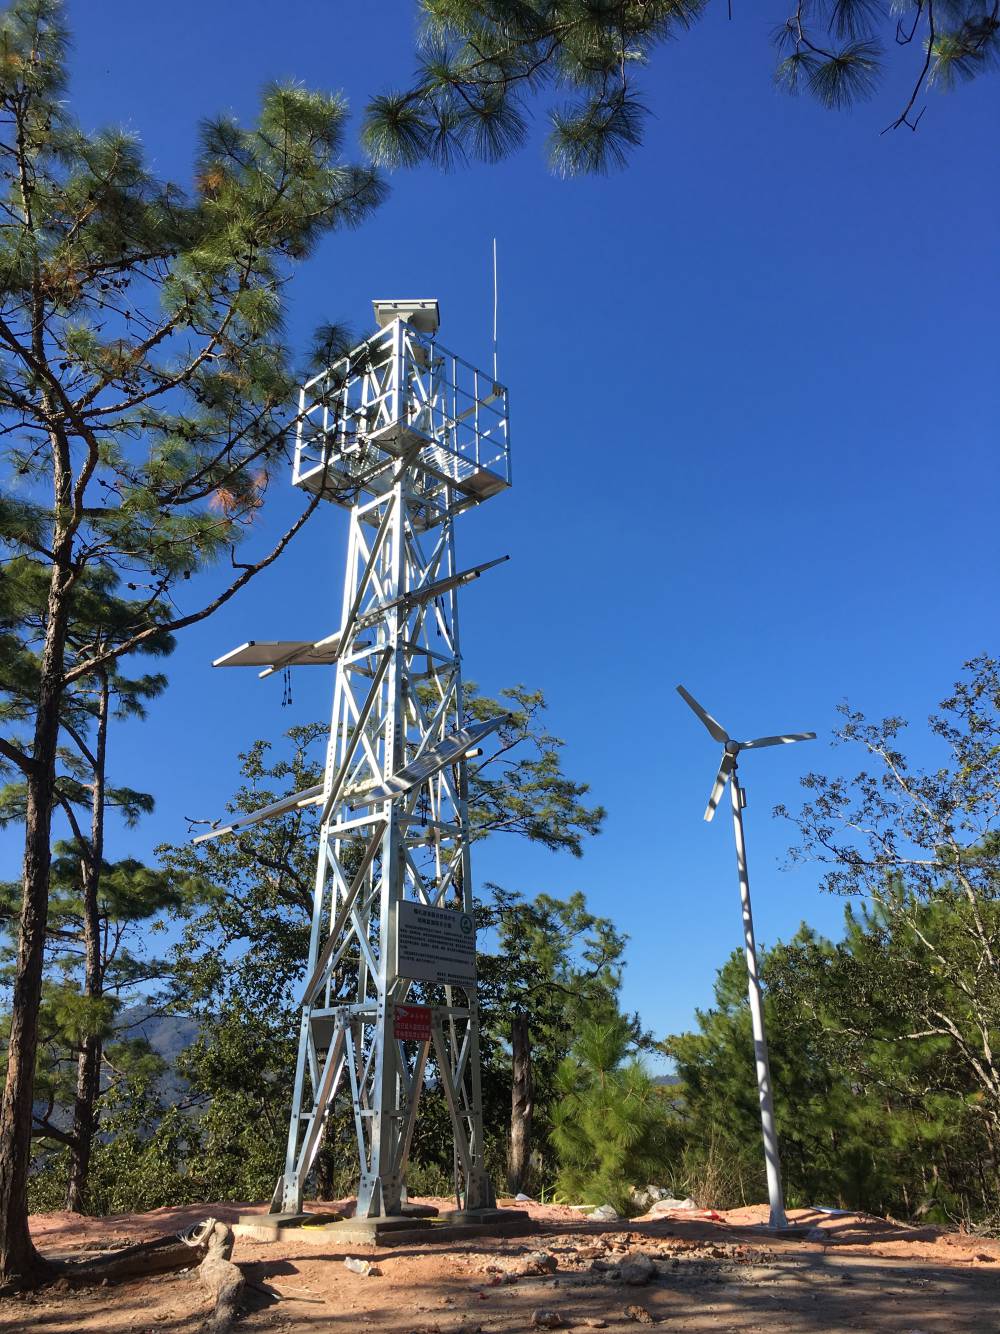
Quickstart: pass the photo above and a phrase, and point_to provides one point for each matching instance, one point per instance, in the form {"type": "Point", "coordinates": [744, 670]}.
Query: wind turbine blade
{"type": "Point", "coordinates": [777, 740]}
{"type": "Point", "coordinates": [721, 779]}
{"type": "Point", "coordinates": [716, 730]}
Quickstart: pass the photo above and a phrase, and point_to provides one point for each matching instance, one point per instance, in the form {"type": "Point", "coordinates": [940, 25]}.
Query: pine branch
{"type": "Point", "coordinates": [110, 655]}
{"type": "Point", "coordinates": [16, 756]}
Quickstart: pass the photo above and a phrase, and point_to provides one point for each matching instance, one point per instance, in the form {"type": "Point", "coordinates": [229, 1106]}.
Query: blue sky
{"type": "Point", "coordinates": [754, 428]}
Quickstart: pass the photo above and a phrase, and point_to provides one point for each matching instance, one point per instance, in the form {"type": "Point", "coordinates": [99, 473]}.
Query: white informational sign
{"type": "Point", "coordinates": [435, 944]}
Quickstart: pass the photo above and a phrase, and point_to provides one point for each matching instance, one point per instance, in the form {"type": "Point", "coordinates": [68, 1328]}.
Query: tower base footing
{"type": "Point", "coordinates": [398, 1230]}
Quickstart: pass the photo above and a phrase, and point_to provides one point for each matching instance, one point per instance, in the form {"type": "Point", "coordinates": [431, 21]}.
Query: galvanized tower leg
{"type": "Point", "coordinates": [761, 1060]}
{"type": "Point", "coordinates": [398, 694]}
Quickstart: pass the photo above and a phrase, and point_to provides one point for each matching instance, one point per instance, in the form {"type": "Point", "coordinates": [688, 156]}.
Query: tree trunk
{"type": "Point", "coordinates": [88, 1063]}
{"type": "Point", "coordinates": [88, 1072]}
{"type": "Point", "coordinates": [20, 1263]}
{"type": "Point", "coordinates": [522, 1105]}
{"type": "Point", "coordinates": [221, 1279]}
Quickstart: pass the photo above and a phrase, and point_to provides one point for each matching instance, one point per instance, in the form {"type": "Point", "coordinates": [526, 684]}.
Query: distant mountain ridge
{"type": "Point", "coordinates": [169, 1035]}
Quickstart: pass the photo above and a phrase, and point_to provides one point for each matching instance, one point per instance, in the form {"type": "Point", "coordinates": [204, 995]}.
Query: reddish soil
{"type": "Point", "coordinates": [865, 1273]}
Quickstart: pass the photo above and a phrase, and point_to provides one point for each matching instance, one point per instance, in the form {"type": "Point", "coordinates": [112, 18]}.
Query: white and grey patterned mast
{"type": "Point", "coordinates": [407, 435]}
{"type": "Point", "coordinates": [728, 773]}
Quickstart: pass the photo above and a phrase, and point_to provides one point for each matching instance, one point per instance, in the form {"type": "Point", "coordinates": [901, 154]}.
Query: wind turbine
{"type": "Point", "coordinates": [727, 774]}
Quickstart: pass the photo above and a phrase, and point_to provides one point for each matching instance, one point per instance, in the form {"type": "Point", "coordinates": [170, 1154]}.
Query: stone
{"type": "Point", "coordinates": [544, 1318]}
{"type": "Point", "coordinates": [636, 1270]}
{"type": "Point", "coordinates": [605, 1213]}
{"type": "Point", "coordinates": [540, 1262]}
{"type": "Point", "coordinates": [595, 1250]}
{"type": "Point", "coordinates": [640, 1314]}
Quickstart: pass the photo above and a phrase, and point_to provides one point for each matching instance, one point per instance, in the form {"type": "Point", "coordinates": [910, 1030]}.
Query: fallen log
{"type": "Point", "coordinates": [146, 1257]}
{"type": "Point", "coordinates": [206, 1246]}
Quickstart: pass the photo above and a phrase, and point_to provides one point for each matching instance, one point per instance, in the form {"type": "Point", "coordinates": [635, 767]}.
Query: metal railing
{"type": "Point", "coordinates": [397, 390]}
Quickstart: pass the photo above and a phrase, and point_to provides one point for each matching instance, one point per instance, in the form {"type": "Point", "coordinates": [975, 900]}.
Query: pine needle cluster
{"type": "Point", "coordinates": [483, 65]}
{"type": "Point", "coordinates": [480, 63]}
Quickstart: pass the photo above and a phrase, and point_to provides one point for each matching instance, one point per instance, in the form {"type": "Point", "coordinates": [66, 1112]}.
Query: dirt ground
{"type": "Point", "coordinates": [699, 1273]}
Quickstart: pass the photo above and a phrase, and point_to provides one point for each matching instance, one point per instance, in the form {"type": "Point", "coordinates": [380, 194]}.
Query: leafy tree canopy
{"type": "Point", "coordinates": [922, 845]}
{"type": "Point", "coordinates": [245, 943]}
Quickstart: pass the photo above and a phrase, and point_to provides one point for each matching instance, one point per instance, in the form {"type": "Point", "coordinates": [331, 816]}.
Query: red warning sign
{"type": "Point", "coordinates": [412, 1023]}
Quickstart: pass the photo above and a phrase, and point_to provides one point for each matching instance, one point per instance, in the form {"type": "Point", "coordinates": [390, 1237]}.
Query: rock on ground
{"type": "Point", "coordinates": [544, 1318]}
{"type": "Point", "coordinates": [640, 1314]}
{"type": "Point", "coordinates": [540, 1262]}
{"type": "Point", "coordinates": [636, 1270]}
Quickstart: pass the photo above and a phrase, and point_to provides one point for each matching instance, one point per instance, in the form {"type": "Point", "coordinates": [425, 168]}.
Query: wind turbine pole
{"type": "Point", "coordinates": [764, 1089]}
{"type": "Point", "coordinates": [727, 774]}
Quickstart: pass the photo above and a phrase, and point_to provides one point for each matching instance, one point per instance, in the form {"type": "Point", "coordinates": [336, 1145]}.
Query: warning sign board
{"type": "Point", "coordinates": [412, 1023]}
{"type": "Point", "coordinates": [435, 945]}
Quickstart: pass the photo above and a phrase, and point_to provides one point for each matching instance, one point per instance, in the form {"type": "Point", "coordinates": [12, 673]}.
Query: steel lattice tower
{"type": "Point", "coordinates": [407, 436]}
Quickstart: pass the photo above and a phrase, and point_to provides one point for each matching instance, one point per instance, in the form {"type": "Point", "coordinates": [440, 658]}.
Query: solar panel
{"type": "Point", "coordinates": [281, 653]}
{"type": "Point", "coordinates": [307, 797]}
{"type": "Point", "coordinates": [273, 654]}
{"type": "Point", "coordinates": [433, 759]}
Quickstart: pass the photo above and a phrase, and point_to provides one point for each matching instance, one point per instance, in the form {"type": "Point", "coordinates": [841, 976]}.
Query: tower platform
{"type": "Point", "coordinates": [400, 396]}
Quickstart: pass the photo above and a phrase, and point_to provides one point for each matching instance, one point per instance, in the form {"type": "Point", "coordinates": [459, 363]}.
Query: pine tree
{"type": "Point", "coordinates": [520, 787]}
{"type": "Point", "coordinates": [609, 1124]}
{"type": "Point", "coordinates": [874, 1111]}
{"type": "Point", "coordinates": [99, 967]}
{"type": "Point", "coordinates": [718, 1154]}
{"type": "Point", "coordinates": [99, 618]}
{"type": "Point", "coordinates": [144, 390]}
{"type": "Point", "coordinates": [556, 965]}
{"type": "Point", "coordinates": [921, 847]}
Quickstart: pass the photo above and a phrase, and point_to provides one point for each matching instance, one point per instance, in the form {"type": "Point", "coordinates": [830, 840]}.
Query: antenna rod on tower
{"type": "Point", "coordinates": [495, 302]}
